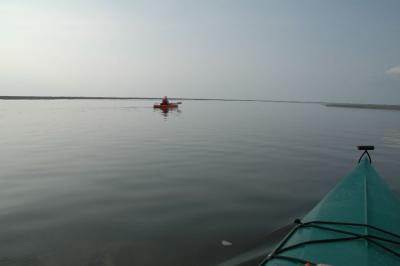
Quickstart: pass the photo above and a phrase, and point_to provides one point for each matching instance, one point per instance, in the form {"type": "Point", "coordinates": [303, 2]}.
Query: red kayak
{"type": "Point", "coordinates": [166, 106]}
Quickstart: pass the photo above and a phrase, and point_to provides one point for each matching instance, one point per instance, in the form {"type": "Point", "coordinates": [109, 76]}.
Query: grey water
{"type": "Point", "coordinates": [114, 182]}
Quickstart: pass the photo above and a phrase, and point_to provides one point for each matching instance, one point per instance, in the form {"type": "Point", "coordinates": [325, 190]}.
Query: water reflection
{"type": "Point", "coordinates": [165, 112]}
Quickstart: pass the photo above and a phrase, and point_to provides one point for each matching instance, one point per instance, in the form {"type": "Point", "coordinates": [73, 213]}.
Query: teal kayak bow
{"type": "Point", "coordinates": [356, 223]}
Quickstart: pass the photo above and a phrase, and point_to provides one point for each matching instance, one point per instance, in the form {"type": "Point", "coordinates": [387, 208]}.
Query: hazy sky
{"type": "Point", "coordinates": [338, 50]}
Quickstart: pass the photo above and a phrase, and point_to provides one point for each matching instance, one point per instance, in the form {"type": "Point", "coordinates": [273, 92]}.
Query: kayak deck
{"type": "Point", "coordinates": [357, 223]}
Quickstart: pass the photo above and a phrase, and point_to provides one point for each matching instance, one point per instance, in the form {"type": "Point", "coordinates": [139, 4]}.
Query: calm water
{"type": "Point", "coordinates": [118, 183]}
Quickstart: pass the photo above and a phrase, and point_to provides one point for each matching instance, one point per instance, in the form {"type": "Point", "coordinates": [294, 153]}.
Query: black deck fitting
{"type": "Point", "coordinates": [365, 149]}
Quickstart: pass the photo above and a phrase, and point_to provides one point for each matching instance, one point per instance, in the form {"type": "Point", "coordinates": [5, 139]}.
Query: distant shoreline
{"type": "Point", "coordinates": [364, 106]}
{"type": "Point", "coordinates": [327, 104]}
{"type": "Point", "coordinates": [71, 98]}
{"type": "Point", "coordinates": [143, 98]}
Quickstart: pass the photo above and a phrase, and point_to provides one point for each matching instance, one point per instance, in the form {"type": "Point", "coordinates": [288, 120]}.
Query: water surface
{"type": "Point", "coordinates": [108, 182]}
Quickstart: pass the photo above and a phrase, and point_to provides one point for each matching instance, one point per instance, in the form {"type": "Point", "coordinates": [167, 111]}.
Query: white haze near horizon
{"type": "Point", "coordinates": [291, 50]}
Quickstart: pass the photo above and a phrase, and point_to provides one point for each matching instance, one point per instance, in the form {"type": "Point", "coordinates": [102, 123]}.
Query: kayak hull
{"type": "Point", "coordinates": [165, 106]}
{"type": "Point", "coordinates": [356, 223]}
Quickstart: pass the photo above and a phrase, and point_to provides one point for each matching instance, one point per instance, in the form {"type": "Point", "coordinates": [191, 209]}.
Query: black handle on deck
{"type": "Point", "coordinates": [365, 149]}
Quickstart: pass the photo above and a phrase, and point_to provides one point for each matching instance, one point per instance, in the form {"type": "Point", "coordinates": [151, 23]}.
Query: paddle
{"type": "Point", "coordinates": [173, 103]}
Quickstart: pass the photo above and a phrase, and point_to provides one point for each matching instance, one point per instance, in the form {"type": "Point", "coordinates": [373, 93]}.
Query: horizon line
{"type": "Point", "coordinates": [325, 103]}
{"type": "Point", "coordinates": [13, 97]}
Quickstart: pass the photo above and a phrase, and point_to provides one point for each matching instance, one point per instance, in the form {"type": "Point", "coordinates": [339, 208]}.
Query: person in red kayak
{"type": "Point", "coordinates": [165, 101]}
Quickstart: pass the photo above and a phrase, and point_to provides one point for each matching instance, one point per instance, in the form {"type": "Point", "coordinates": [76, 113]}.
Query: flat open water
{"type": "Point", "coordinates": [108, 182]}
